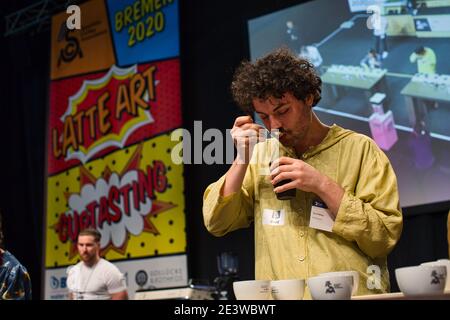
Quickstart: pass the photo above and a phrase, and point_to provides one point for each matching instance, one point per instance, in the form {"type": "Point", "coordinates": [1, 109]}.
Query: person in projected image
{"type": "Point", "coordinates": [426, 64]}
{"type": "Point", "coordinates": [94, 278]}
{"type": "Point", "coordinates": [421, 146]}
{"type": "Point", "coordinates": [291, 31]}
{"type": "Point", "coordinates": [345, 212]}
{"type": "Point", "coordinates": [312, 54]}
{"type": "Point", "coordinates": [292, 34]}
{"type": "Point", "coordinates": [412, 7]}
{"type": "Point", "coordinates": [425, 58]}
{"type": "Point", "coordinates": [380, 35]}
{"type": "Point", "coordinates": [372, 60]}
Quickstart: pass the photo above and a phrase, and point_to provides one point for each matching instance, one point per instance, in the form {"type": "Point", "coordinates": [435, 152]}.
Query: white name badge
{"type": "Point", "coordinates": [321, 217]}
{"type": "Point", "coordinates": [273, 217]}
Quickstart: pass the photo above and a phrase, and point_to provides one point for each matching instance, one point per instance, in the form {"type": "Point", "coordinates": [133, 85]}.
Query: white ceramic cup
{"type": "Point", "coordinates": [421, 280]}
{"type": "Point", "coordinates": [441, 262]}
{"type": "Point", "coordinates": [330, 287]}
{"type": "Point", "coordinates": [252, 290]}
{"type": "Point", "coordinates": [290, 289]}
{"type": "Point", "coordinates": [352, 273]}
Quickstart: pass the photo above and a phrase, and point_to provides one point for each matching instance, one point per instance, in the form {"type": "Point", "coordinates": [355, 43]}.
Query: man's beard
{"type": "Point", "coordinates": [290, 139]}
{"type": "Point", "coordinates": [88, 259]}
{"type": "Point", "coordinates": [287, 138]}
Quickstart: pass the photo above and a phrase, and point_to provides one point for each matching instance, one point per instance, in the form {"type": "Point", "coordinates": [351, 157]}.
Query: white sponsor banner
{"type": "Point", "coordinates": [159, 272]}
{"type": "Point", "coordinates": [55, 284]}
{"type": "Point", "coordinates": [163, 272]}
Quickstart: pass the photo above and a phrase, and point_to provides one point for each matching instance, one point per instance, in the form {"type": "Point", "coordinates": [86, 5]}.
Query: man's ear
{"type": "Point", "coordinates": [309, 100]}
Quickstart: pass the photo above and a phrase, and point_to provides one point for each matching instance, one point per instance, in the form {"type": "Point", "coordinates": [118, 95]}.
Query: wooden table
{"type": "Point", "coordinates": [416, 93]}
{"type": "Point", "coordinates": [401, 296]}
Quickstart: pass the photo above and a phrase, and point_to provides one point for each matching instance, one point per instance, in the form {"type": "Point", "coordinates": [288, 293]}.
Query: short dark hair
{"type": "Point", "coordinates": [274, 75]}
{"type": "Point", "coordinates": [91, 232]}
{"type": "Point", "coordinates": [420, 50]}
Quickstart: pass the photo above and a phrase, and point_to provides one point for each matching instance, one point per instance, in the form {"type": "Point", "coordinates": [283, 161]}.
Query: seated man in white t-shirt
{"type": "Point", "coordinates": [94, 278]}
{"type": "Point", "coordinates": [312, 54]}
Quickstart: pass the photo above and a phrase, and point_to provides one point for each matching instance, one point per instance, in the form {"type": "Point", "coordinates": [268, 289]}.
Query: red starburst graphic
{"type": "Point", "coordinates": [68, 227]}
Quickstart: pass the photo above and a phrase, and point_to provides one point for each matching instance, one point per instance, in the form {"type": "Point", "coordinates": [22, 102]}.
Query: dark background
{"type": "Point", "coordinates": [213, 42]}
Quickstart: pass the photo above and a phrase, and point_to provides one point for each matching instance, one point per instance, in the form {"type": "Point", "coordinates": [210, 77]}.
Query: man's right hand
{"type": "Point", "coordinates": [246, 134]}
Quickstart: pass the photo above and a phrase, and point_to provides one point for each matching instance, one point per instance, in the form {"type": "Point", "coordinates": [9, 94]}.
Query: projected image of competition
{"type": "Point", "coordinates": [386, 74]}
{"type": "Point", "coordinates": [114, 102]}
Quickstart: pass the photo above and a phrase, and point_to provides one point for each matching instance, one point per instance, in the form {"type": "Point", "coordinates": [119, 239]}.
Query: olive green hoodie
{"type": "Point", "coordinates": [366, 228]}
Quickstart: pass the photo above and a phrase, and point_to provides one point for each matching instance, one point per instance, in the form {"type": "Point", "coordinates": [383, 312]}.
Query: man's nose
{"type": "Point", "coordinates": [274, 123]}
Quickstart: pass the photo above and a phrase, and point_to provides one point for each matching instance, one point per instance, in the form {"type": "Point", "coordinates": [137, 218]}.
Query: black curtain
{"type": "Point", "coordinates": [424, 239]}
{"type": "Point", "coordinates": [24, 88]}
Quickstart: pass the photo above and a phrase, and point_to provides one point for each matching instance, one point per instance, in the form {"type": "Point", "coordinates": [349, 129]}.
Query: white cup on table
{"type": "Point", "coordinates": [421, 280]}
{"type": "Point", "coordinates": [352, 273]}
{"type": "Point", "coordinates": [330, 287]}
{"type": "Point", "coordinates": [289, 289]}
{"type": "Point", "coordinates": [441, 262]}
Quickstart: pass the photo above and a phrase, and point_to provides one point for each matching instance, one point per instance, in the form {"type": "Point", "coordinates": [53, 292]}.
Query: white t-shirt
{"type": "Point", "coordinates": [95, 283]}
{"type": "Point", "coordinates": [380, 27]}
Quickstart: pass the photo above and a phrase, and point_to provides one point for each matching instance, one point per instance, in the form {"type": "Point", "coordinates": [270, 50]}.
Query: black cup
{"type": "Point", "coordinates": [285, 195]}
{"type": "Point", "coordinates": [288, 194]}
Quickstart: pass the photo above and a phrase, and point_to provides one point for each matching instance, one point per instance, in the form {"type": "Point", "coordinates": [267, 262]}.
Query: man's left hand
{"type": "Point", "coordinates": [306, 178]}
{"type": "Point", "coordinates": [303, 176]}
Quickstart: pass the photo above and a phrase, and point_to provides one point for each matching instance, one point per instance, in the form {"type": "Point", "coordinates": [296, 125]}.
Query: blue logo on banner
{"type": "Point", "coordinates": [56, 283]}
{"type": "Point", "coordinates": [144, 30]}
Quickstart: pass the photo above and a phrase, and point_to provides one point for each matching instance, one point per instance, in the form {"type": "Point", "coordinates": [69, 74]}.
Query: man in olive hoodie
{"type": "Point", "coordinates": [345, 214]}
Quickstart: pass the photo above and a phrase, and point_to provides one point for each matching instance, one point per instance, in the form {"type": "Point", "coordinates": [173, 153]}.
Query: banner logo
{"type": "Point", "coordinates": [72, 48]}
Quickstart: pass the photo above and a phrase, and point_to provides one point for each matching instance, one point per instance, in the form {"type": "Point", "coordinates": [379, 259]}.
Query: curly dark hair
{"type": "Point", "coordinates": [273, 75]}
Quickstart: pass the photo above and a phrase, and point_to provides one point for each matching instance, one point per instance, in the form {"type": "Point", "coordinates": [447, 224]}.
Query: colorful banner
{"type": "Point", "coordinates": [134, 197]}
{"type": "Point", "coordinates": [92, 115]}
{"type": "Point", "coordinates": [109, 147]}
{"type": "Point", "coordinates": [144, 30]}
{"type": "Point", "coordinates": [81, 51]}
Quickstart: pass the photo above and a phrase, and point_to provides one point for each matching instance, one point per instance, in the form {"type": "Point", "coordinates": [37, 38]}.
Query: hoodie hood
{"type": "Point", "coordinates": [334, 135]}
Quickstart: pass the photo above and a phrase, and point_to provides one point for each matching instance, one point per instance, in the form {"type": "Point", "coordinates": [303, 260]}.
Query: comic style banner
{"type": "Point", "coordinates": [109, 163]}
{"type": "Point", "coordinates": [144, 30]}
{"type": "Point", "coordinates": [133, 196]}
{"type": "Point", "coordinates": [92, 115]}
{"type": "Point", "coordinates": [82, 50]}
